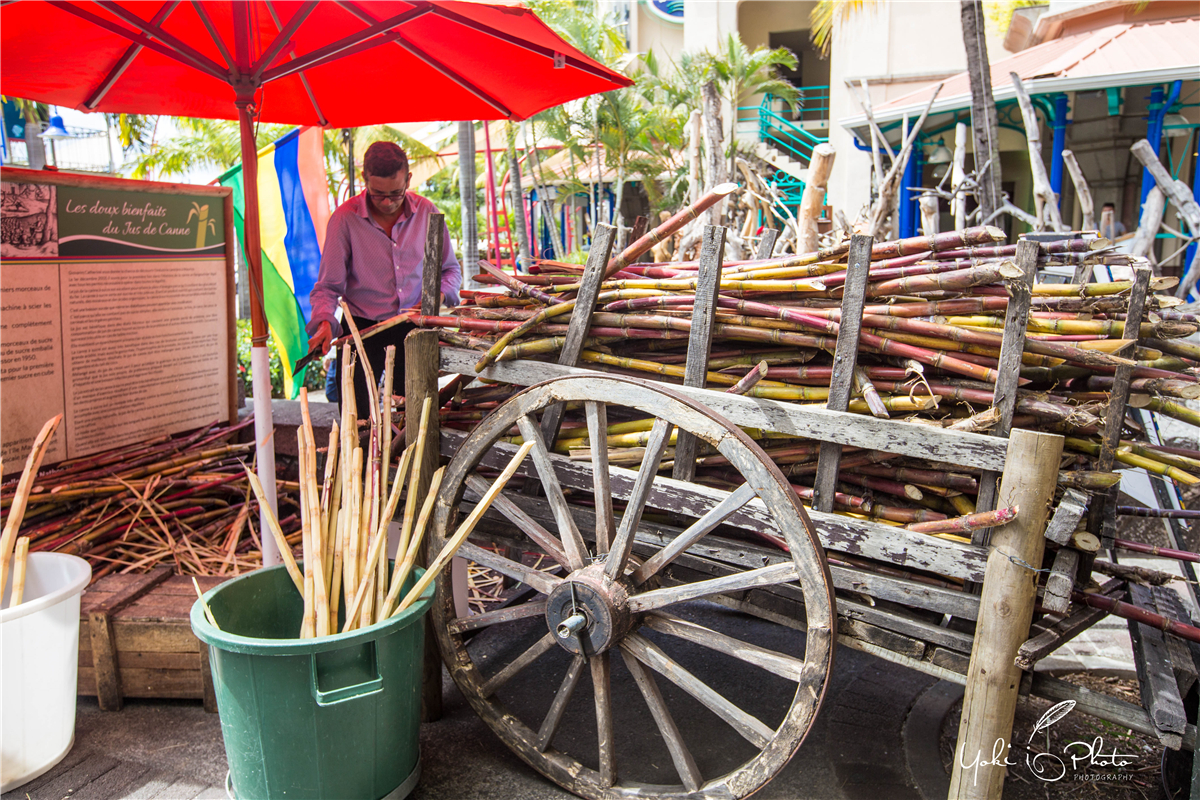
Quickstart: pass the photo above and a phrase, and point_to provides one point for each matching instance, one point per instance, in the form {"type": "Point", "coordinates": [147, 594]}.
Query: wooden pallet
{"type": "Point", "coordinates": [136, 640]}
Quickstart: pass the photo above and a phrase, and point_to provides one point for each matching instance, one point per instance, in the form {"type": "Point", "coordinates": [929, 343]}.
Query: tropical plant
{"type": "Point", "coordinates": [828, 14]}
{"type": "Point", "coordinates": [200, 143]}
{"type": "Point", "coordinates": [741, 72]}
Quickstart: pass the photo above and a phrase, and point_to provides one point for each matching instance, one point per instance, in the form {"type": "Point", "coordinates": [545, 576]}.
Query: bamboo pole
{"type": "Point", "coordinates": [17, 510]}
{"type": "Point", "coordinates": [18, 588]}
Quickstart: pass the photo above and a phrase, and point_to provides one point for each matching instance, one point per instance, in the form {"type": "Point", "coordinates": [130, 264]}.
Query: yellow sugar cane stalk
{"type": "Point", "coordinates": [524, 328]}
{"type": "Point", "coordinates": [1097, 289]}
{"type": "Point", "coordinates": [1172, 409]}
{"type": "Point", "coordinates": [1125, 456]}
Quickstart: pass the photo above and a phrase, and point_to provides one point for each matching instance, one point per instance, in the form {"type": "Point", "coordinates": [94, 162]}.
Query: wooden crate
{"type": "Point", "coordinates": [136, 640]}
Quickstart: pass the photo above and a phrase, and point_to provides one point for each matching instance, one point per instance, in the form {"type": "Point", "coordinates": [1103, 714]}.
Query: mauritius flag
{"type": "Point", "coordinates": [293, 208]}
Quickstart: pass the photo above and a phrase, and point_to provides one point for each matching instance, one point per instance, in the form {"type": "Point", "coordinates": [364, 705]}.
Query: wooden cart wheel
{"type": "Point", "coordinates": [605, 612]}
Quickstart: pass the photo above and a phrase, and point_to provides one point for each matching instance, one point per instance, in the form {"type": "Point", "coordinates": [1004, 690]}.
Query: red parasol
{"type": "Point", "coordinates": [334, 64]}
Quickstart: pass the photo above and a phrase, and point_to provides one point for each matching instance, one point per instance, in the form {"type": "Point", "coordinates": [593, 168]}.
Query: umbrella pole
{"type": "Point", "coordinates": [260, 360]}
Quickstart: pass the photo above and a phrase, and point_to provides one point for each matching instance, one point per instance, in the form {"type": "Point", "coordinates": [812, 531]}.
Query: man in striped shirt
{"type": "Point", "coordinates": [374, 251]}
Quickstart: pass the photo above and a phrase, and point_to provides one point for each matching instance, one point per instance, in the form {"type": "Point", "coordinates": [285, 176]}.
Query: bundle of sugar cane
{"type": "Point", "coordinates": [928, 352]}
{"type": "Point", "coordinates": [180, 499]}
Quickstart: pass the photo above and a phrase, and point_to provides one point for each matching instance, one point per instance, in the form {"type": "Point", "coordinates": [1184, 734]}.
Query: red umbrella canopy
{"type": "Point", "coordinates": [339, 64]}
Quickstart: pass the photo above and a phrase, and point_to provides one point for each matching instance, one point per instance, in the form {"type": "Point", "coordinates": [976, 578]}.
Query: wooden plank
{"type": "Point", "coordinates": [1066, 517]}
{"type": "Point", "coordinates": [766, 245]}
{"type": "Point", "coordinates": [165, 683]}
{"type": "Point", "coordinates": [967, 450]}
{"type": "Point", "coordinates": [881, 637]}
{"type": "Point", "coordinates": [1160, 692]}
{"type": "Point", "coordinates": [208, 689]}
{"type": "Point", "coordinates": [1103, 706]}
{"type": "Point", "coordinates": [431, 267]}
{"type": "Point", "coordinates": [1065, 629]}
{"type": "Point", "coordinates": [1182, 652]}
{"type": "Point", "coordinates": [154, 637]}
{"type": "Point", "coordinates": [1061, 581]}
{"type": "Point", "coordinates": [1005, 610]}
{"type": "Point", "coordinates": [136, 660]}
{"type": "Point", "coordinates": [904, 624]}
{"type": "Point", "coordinates": [581, 318]}
{"type": "Point", "coordinates": [837, 532]}
{"type": "Point", "coordinates": [845, 359]}
{"type": "Point", "coordinates": [1102, 516]}
{"type": "Point", "coordinates": [927, 667]}
{"type": "Point", "coordinates": [704, 315]}
{"type": "Point", "coordinates": [1016, 320]}
{"type": "Point", "coordinates": [104, 661]}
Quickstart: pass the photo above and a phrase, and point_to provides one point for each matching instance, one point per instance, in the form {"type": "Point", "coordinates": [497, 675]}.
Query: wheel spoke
{"type": "Point", "coordinates": [782, 665]}
{"type": "Point", "coordinates": [573, 545]}
{"type": "Point", "coordinates": [476, 621]}
{"type": "Point", "coordinates": [515, 514]}
{"type": "Point", "coordinates": [554, 715]}
{"type": "Point", "coordinates": [696, 531]}
{"type": "Point", "coordinates": [597, 424]}
{"type": "Point", "coordinates": [539, 580]}
{"type": "Point", "coordinates": [750, 727]}
{"type": "Point", "coordinates": [656, 445]}
{"type": "Point", "coordinates": [517, 664]}
{"type": "Point", "coordinates": [685, 765]}
{"type": "Point", "coordinates": [784, 572]}
{"type": "Point", "coordinates": [602, 688]}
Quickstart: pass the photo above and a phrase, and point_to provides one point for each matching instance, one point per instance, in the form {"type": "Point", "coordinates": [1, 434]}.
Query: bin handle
{"type": "Point", "coordinates": [344, 693]}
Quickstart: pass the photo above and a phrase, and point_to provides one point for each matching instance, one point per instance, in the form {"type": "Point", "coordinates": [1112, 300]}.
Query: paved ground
{"type": "Point", "coordinates": [877, 718]}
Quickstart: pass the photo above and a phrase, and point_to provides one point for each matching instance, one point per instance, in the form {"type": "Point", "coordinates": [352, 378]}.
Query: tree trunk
{"type": "Point", "coordinates": [1082, 191]}
{"type": "Point", "coordinates": [1152, 214]}
{"type": "Point", "coordinates": [814, 195]}
{"type": "Point", "coordinates": [618, 219]}
{"type": "Point", "coordinates": [959, 205]}
{"type": "Point", "coordinates": [1043, 193]}
{"type": "Point", "coordinates": [518, 201]}
{"type": "Point", "coordinates": [466, 199]}
{"type": "Point", "coordinates": [983, 109]}
{"type": "Point", "coordinates": [694, 170]}
{"type": "Point", "coordinates": [714, 142]}
{"type": "Point", "coordinates": [929, 214]}
{"type": "Point", "coordinates": [547, 206]}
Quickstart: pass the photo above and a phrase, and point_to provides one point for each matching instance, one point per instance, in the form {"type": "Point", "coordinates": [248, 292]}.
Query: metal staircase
{"type": "Point", "coordinates": [783, 143]}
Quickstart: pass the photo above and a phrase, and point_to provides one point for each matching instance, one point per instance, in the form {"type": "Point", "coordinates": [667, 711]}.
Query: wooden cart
{"type": "Point", "coordinates": [601, 589]}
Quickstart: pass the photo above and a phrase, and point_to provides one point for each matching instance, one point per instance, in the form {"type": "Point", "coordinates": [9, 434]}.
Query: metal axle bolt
{"type": "Point", "coordinates": [570, 626]}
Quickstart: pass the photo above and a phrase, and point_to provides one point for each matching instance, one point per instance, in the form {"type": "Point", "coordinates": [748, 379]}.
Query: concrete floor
{"type": "Point", "coordinates": [875, 738]}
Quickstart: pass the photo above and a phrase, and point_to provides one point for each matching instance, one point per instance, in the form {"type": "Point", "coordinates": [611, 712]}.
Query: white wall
{"type": "Point", "coordinates": [897, 47]}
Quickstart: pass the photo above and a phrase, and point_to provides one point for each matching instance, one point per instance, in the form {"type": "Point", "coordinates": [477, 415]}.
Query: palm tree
{"type": "Point", "coordinates": [201, 143]}
{"type": "Point", "coordinates": [828, 14]}
{"type": "Point", "coordinates": [741, 72]}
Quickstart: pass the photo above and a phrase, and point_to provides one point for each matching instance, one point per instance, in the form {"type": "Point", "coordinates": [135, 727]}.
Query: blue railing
{"type": "Point", "coordinates": [783, 133]}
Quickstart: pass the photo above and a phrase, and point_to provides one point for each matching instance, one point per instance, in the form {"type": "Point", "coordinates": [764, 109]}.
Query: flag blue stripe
{"type": "Point", "coordinates": [304, 253]}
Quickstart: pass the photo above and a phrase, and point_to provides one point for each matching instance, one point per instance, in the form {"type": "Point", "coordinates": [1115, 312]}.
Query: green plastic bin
{"type": "Point", "coordinates": [334, 717]}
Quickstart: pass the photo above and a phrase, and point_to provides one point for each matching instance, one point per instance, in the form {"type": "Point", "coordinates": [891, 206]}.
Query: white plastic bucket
{"type": "Point", "coordinates": [39, 664]}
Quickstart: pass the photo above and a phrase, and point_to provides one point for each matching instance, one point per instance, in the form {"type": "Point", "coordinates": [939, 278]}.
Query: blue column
{"type": "Point", "coordinates": [908, 197]}
{"type": "Point", "coordinates": [1154, 129]}
{"type": "Point", "coordinates": [1189, 256]}
{"type": "Point", "coordinates": [1060, 142]}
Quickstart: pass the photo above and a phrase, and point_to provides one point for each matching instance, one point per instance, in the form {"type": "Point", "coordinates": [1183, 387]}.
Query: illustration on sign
{"type": "Point", "coordinates": [95, 222]}
{"type": "Point", "coordinates": [29, 221]}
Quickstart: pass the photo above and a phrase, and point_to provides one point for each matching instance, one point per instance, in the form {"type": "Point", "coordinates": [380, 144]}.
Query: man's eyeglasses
{"type": "Point", "coordinates": [395, 197]}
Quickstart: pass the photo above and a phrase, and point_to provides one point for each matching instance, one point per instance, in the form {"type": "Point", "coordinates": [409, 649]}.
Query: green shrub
{"type": "Point", "coordinates": [314, 373]}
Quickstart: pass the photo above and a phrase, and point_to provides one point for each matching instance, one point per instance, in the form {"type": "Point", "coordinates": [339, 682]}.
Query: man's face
{"type": "Point", "coordinates": [387, 193]}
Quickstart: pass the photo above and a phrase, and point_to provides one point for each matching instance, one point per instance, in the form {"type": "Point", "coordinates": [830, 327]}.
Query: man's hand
{"type": "Point", "coordinates": [321, 340]}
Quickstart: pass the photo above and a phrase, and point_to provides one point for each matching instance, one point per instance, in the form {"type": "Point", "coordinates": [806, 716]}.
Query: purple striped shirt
{"type": "Point", "coordinates": [378, 274]}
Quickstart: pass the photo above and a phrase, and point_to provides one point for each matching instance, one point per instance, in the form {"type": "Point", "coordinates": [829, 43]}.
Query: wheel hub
{"type": "Point", "coordinates": [587, 612]}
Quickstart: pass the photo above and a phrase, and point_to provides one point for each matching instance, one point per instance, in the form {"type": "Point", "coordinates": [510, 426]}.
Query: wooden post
{"type": "Point", "coordinates": [1082, 191]}
{"type": "Point", "coordinates": [704, 315]}
{"type": "Point", "coordinates": [845, 358]}
{"type": "Point", "coordinates": [958, 174]}
{"type": "Point", "coordinates": [431, 271]}
{"type": "Point", "coordinates": [1147, 229]}
{"type": "Point", "coordinates": [814, 197]}
{"type": "Point", "coordinates": [420, 381]}
{"type": "Point", "coordinates": [1005, 611]}
{"type": "Point", "coordinates": [104, 648]}
{"type": "Point", "coordinates": [766, 245]}
{"type": "Point", "coordinates": [984, 121]}
{"type": "Point", "coordinates": [929, 214]}
{"type": "Point", "coordinates": [581, 320]}
{"type": "Point", "coordinates": [1011, 348]}
{"type": "Point", "coordinates": [1102, 515]}
{"type": "Point", "coordinates": [1043, 193]}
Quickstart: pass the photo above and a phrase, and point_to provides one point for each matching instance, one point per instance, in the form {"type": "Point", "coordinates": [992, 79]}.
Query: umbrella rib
{"type": "Point", "coordinates": [158, 33]}
{"type": "Point", "coordinates": [312, 98]}
{"type": "Point", "coordinates": [284, 37]}
{"type": "Point", "coordinates": [137, 38]}
{"type": "Point", "coordinates": [354, 43]}
{"type": "Point", "coordinates": [517, 41]}
{"type": "Point", "coordinates": [125, 60]}
{"type": "Point", "coordinates": [212, 31]}
{"type": "Point", "coordinates": [433, 62]}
